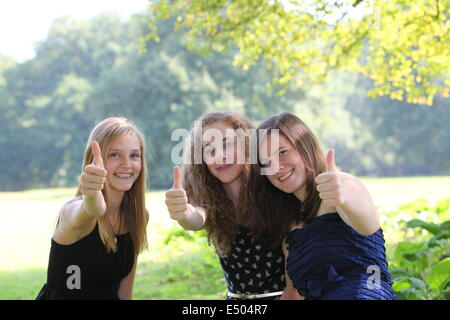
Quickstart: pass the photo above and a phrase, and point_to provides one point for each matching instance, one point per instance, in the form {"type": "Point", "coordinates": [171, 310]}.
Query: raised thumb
{"type": "Point", "coordinates": [97, 152]}
{"type": "Point", "coordinates": [177, 178]}
{"type": "Point", "coordinates": [331, 165]}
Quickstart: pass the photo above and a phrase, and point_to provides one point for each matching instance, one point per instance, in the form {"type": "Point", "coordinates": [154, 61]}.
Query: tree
{"type": "Point", "coordinates": [406, 139]}
{"type": "Point", "coordinates": [170, 86]}
{"type": "Point", "coordinates": [45, 102]}
{"type": "Point", "coordinates": [83, 74]}
{"type": "Point", "coordinates": [402, 45]}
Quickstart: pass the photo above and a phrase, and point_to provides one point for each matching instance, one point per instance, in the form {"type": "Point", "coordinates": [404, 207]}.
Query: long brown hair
{"type": "Point", "coordinates": [276, 211]}
{"type": "Point", "coordinates": [203, 189]}
{"type": "Point", "coordinates": [133, 202]}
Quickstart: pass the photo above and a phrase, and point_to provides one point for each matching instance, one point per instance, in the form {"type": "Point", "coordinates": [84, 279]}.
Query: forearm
{"type": "Point", "coordinates": [358, 210]}
{"type": "Point", "coordinates": [194, 220]}
{"type": "Point", "coordinates": [76, 216]}
{"type": "Point", "coordinates": [94, 205]}
{"type": "Point", "coordinates": [126, 285]}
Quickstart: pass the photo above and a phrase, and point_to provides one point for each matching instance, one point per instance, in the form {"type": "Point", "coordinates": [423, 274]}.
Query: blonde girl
{"type": "Point", "coordinates": [101, 232]}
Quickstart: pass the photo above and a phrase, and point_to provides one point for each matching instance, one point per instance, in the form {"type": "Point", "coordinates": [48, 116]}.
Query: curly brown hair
{"type": "Point", "coordinates": [205, 190]}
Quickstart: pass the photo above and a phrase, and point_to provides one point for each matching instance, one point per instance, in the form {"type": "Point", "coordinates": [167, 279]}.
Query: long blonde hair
{"type": "Point", "coordinates": [133, 202]}
{"type": "Point", "coordinates": [203, 189]}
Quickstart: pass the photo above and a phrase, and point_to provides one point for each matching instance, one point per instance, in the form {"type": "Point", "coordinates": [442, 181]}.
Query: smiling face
{"type": "Point", "coordinates": [123, 162]}
{"type": "Point", "coordinates": [221, 152]}
{"type": "Point", "coordinates": [288, 172]}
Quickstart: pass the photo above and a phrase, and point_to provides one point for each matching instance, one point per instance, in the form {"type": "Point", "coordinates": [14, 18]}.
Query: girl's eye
{"type": "Point", "coordinates": [114, 155]}
{"type": "Point", "coordinates": [283, 152]}
{"type": "Point", "coordinates": [210, 151]}
{"type": "Point", "coordinates": [135, 155]}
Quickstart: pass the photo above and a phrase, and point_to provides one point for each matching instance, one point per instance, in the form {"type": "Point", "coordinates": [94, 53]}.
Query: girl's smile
{"type": "Point", "coordinates": [286, 176]}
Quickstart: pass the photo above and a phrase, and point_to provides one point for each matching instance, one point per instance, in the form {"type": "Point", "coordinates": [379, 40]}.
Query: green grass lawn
{"type": "Point", "coordinates": [389, 193]}
{"type": "Point", "coordinates": [28, 221]}
{"type": "Point", "coordinates": [177, 270]}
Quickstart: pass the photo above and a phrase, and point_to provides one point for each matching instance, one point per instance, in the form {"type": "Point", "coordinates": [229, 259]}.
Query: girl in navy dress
{"type": "Point", "coordinates": [101, 232]}
{"type": "Point", "coordinates": [333, 240]}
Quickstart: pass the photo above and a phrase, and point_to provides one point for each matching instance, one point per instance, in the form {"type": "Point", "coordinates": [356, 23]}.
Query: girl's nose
{"type": "Point", "coordinates": [220, 156]}
{"type": "Point", "coordinates": [126, 162]}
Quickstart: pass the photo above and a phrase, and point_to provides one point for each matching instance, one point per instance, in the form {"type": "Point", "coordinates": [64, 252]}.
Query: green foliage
{"type": "Point", "coordinates": [402, 136]}
{"type": "Point", "coordinates": [180, 265]}
{"type": "Point", "coordinates": [402, 46]}
{"type": "Point", "coordinates": [188, 235]}
{"type": "Point", "coordinates": [87, 70]}
{"type": "Point", "coordinates": [421, 267]}
{"type": "Point", "coordinates": [204, 265]}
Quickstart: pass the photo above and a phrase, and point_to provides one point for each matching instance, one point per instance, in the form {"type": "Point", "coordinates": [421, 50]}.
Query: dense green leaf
{"type": "Point", "coordinates": [445, 226]}
{"type": "Point", "coordinates": [431, 227]}
{"type": "Point", "coordinates": [411, 294]}
{"type": "Point", "coordinates": [439, 275]}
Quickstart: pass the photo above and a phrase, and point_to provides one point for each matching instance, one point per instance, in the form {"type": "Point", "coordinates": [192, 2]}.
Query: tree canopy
{"type": "Point", "coordinates": [402, 45]}
{"type": "Point", "coordinates": [85, 71]}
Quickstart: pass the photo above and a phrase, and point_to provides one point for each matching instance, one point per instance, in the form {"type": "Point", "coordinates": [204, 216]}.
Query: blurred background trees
{"type": "Point", "coordinates": [87, 70]}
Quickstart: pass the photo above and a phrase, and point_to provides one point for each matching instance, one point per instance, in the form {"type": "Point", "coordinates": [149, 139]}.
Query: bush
{"type": "Point", "coordinates": [421, 265]}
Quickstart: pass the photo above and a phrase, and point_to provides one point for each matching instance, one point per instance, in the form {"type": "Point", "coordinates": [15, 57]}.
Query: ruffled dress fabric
{"type": "Point", "coordinates": [328, 260]}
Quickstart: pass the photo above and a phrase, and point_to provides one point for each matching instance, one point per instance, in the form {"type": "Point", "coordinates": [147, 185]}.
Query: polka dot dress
{"type": "Point", "coordinates": [252, 268]}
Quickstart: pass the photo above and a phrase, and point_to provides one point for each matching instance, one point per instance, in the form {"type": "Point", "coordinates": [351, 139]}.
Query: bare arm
{"type": "Point", "coordinates": [358, 211]}
{"type": "Point", "coordinates": [289, 292]}
{"type": "Point", "coordinates": [350, 197]}
{"type": "Point", "coordinates": [195, 218]}
{"type": "Point", "coordinates": [188, 216]}
{"type": "Point", "coordinates": [81, 213]}
{"type": "Point", "coordinates": [126, 285]}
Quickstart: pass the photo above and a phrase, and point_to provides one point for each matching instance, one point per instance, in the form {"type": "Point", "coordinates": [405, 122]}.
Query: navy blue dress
{"type": "Point", "coordinates": [328, 260]}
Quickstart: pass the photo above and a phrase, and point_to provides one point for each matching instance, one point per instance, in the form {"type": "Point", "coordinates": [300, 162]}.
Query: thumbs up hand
{"type": "Point", "coordinates": [94, 176]}
{"type": "Point", "coordinates": [176, 198]}
{"type": "Point", "coordinates": [329, 184]}
{"type": "Point", "coordinates": [92, 182]}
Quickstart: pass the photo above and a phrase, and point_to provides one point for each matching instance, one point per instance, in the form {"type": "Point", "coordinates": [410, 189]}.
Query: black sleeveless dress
{"type": "Point", "coordinates": [85, 271]}
{"type": "Point", "coordinates": [251, 267]}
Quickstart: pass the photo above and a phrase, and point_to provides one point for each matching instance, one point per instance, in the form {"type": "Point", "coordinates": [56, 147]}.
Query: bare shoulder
{"type": "Point", "coordinates": [147, 216]}
{"type": "Point", "coordinates": [66, 233]}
